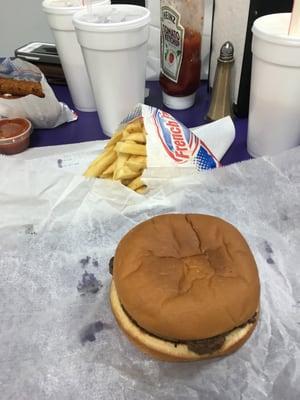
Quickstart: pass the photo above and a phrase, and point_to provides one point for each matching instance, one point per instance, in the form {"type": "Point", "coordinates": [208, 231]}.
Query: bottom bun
{"type": "Point", "coordinates": [168, 351]}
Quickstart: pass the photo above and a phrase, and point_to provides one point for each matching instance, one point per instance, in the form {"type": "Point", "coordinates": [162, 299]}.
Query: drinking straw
{"type": "Point", "coordinates": [294, 29]}
{"type": "Point", "coordinates": [89, 6]}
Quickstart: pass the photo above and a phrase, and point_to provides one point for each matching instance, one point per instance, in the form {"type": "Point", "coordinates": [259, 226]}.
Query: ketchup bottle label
{"type": "Point", "coordinates": [172, 40]}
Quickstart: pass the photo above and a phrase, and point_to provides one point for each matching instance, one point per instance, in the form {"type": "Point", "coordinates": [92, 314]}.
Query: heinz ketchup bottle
{"type": "Point", "coordinates": [180, 54]}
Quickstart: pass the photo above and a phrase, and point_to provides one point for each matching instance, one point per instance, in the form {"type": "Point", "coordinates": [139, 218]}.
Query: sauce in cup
{"type": "Point", "coordinates": [14, 135]}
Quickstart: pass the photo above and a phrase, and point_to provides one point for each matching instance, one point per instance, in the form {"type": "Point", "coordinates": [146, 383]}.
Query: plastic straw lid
{"type": "Point", "coordinates": [294, 29]}
{"type": "Point", "coordinates": [112, 18]}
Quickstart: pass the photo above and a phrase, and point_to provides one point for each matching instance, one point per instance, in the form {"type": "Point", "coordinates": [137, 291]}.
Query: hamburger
{"type": "Point", "coordinates": [185, 287]}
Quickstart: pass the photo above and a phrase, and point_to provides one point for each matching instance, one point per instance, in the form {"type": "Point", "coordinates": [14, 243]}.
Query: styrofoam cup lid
{"type": "Point", "coordinates": [62, 6]}
{"type": "Point", "coordinates": [274, 28]}
{"type": "Point", "coordinates": [112, 18]}
{"type": "Point", "coordinates": [66, 7]}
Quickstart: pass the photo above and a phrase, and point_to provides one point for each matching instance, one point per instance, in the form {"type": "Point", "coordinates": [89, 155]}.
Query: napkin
{"type": "Point", "coordinates": [218, 135]}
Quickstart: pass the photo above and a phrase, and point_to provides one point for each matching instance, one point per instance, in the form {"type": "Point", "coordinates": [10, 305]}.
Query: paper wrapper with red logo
{"type": "Point", "coordinates": [172, 149]}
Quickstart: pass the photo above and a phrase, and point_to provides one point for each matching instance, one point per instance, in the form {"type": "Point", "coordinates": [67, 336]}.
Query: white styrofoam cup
{"type": "Point", "coordinates": [115, 54]}
{"type": "Point", "coordinates": [274, 113]}
{"type": "Point", "coordinates": [59, 14]}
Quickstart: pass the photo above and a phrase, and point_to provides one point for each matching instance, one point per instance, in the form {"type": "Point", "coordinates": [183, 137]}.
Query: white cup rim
{"type": "Point", "coordinates": [263, 29]}
{"type": "Point", "coordinates": [141, 20]}
{"type": "Point", "coordinates": [52, 9]}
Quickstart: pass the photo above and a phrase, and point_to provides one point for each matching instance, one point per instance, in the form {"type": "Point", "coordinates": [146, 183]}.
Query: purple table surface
{"type": "Point", "coordinates": [88, 128]}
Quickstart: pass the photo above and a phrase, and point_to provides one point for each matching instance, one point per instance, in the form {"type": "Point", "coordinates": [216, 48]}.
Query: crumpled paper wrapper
{"type": "Point", "coordinates": [58, 338]}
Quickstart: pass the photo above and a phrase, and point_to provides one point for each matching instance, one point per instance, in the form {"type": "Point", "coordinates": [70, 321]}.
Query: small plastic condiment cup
{"type": "Point", "coordinates": [17, 140]}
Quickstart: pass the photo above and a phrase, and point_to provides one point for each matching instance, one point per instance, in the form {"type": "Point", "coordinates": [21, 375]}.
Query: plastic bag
{"type": "Point", "coordinates": [45, 112]}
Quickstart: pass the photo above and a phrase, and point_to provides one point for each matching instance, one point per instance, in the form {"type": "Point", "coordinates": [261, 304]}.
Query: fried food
{"type": "Point", "coordinates": [124, 157]}
{"type": "Point", "coordinates": [15, 87]}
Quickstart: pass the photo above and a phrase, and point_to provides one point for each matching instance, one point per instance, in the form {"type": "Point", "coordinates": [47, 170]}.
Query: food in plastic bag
{"type": "Point", "coordinates": [40, 105]}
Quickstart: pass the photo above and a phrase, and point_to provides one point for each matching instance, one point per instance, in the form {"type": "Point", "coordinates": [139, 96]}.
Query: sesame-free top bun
{"type": "Point", "coordinates": [185, 278]}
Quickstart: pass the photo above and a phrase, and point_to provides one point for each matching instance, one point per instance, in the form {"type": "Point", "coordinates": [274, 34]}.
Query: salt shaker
{"type": "Point", "coordinates": [221, 102]}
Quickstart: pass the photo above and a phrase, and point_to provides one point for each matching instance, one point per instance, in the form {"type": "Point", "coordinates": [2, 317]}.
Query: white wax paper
{"type": "Point", "coordinates": [58, 338]}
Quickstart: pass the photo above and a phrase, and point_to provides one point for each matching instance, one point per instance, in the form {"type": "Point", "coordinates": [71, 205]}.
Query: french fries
{"type": "Point", "coordinates": [142, 189]}
{"type": "Point", "coordinates": [131, 148]}
{"type": "Point", "coordinates": [121, 160]}
{"type": "Point", "coordinates": [125, 173]}
{"type": "Point", "coordinates": [102, 164]}
{"type": "Point", "coordinates": [124, 157]}
{"type": "Point", "coordinates": [110, 170]}
{"type": "Point", "coordinates": [137, 183]}
{"type": "Point", "coordinates": [138, 137]}
{"type": "Point", "coordinates": [137, 163]}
